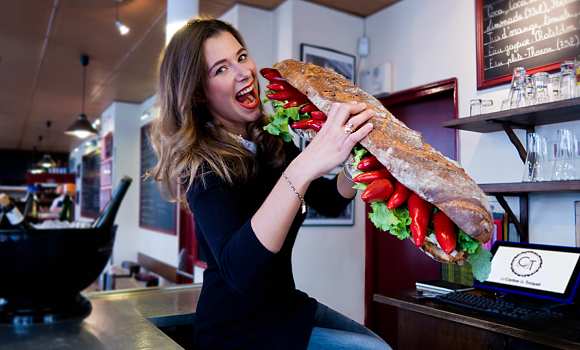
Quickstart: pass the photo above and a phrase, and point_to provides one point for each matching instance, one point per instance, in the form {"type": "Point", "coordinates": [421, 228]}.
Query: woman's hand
{"type": "Point", "coordinates": [345, 127]}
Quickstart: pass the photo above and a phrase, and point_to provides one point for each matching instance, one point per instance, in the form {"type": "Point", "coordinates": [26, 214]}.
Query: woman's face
{"type": "Point", "coordinates": [232, 86]}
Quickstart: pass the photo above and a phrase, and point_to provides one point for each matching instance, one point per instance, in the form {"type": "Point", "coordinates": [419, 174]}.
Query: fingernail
{"type": "Point", "coordinates": [370, 125]}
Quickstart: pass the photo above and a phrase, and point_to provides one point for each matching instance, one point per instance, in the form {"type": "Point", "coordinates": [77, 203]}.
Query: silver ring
{"type": "Point", "coordinates": [348, 128]}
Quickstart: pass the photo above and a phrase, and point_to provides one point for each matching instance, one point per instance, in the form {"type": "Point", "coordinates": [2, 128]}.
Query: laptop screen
{"type": "Point", "coordinates": [538, 271]}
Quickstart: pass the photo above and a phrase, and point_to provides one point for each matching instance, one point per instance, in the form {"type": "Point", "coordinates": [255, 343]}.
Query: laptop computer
{"type": "Point", "coordinates": [542, 272]}
{"type": "Point", "coordinates": [530, 283]}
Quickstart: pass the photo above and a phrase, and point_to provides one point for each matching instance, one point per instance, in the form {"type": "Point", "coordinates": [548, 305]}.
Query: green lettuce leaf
{"type": "Point", "coordinates": [466, 243]}
{"type": "Point", "coordinates": [480, 262]}
{"type": "Point", "coordinates": [395, 221]}
{"type": "Point", "coordinates": [278, 125]}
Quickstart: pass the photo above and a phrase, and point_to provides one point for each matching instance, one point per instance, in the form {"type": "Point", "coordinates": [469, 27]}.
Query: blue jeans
{"type": "Point", "coordinates": [335, 331]}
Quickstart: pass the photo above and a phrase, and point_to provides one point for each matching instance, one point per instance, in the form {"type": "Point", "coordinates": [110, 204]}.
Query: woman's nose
{"type": "Point", "coordinates": [243, 73]}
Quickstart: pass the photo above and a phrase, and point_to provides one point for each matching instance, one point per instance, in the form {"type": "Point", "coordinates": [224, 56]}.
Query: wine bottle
{"type": "Point", "coordinates": [12, 213]}
{"type": "Point", "coordinates": [107, 217]}
{"type": "Point", "coordinates": [66, 213]}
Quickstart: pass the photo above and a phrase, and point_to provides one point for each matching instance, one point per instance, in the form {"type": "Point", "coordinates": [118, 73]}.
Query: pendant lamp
{"type": "Point", "coordinates": [81, 127]}
{"type": "Point", "coordinates": [121, 27]}
{"type": "Point", "coordinates": [46, 161]}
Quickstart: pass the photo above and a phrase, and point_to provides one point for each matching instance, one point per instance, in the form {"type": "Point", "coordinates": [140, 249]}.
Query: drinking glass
{"type": "Point", "coordinates": [566, 150]}
{"type": "Point", "coordinates": [505, 105]}
{"type": "Point", "coordinates": [568, 79]}
{"type": "Point", "coordinates": [530, 90]}
{"type": "Point", "coordinates": [541, 92]}
{"type": "Point", "coordinates": [555, 86]}
{"type": "Point", "coordinates": [537, 153]}
{"type": "Point", "coordinates": [517, 96]}
{"type": "Point", "coordinates": [479, 106]}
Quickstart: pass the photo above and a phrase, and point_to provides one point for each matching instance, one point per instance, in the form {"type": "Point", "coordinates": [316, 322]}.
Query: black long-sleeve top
{"type": "Point", "coordinates": [249, 299]}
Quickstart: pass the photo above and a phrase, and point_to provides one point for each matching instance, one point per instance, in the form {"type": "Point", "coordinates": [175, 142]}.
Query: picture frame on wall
{"type": "Point", "coordinates": [313, 218]}
{"type": "Point", "coordinates": [341, 62]}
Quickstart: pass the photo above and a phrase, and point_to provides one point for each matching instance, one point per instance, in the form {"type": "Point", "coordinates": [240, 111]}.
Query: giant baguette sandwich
{"type": "Point", "coordinates": [414, 191]}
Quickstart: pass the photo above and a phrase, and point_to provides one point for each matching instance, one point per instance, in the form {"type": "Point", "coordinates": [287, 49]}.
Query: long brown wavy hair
{"type": "Point", "coordinates": [186, 146]}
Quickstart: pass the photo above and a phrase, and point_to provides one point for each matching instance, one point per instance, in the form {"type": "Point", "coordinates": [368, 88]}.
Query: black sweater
{"type": "Point", "coordinates": [248, 299]}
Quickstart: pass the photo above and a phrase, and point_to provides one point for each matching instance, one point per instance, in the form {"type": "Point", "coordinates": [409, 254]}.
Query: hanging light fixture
{"type": "Point", "coordinates": [121, 27]}
{"type": "Point", "coordinates": [46, 162]}
{"type": "Point", "coordinates": [82, 128]}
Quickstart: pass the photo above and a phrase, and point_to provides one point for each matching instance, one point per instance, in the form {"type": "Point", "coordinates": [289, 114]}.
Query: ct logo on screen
{"type": "Point", "coordinates": [526, 263]}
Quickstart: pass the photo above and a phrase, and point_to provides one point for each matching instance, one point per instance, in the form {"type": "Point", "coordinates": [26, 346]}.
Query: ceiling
{"type": "Point", "coordinates": [40, 70]}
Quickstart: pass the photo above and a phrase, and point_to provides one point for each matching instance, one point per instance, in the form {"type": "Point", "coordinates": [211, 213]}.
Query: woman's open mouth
{"type": "Point", "coordinates": [248, 97]}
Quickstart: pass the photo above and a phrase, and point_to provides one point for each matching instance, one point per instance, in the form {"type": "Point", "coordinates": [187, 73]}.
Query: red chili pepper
{"type": "Point", "coordinates": [276, 87]}
{"type": "Point", "coordinates": [444, 232]}
{"type": "Point", "coordinates": [291, 104]}
{"type": "Point", "coordinates": [279, 96]}
{"type": "Point", "coordinates": [269, 72]}
{"type": "Point", "coordinates": [370, 176]}
{"type": "Point", "coordinates": [420, 212]}
{"type": "Point", "coordinates": [378, 190]}
{"type": "Point", "coordinates": [369, 163]}
{"type": "Point", "coordinates": [400, 195]}
{"type": "Point", "coordinates": [307, 108]}
{"type": "Point", "coordinates": [315, 125]}
{"type": "Point", "coordinates": [276, 79]}
{"type": "Point", "coordinates": [318, 115]}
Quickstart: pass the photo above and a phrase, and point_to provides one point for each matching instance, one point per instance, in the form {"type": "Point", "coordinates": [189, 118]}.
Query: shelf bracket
{"type": "Point", "coordinates": [522, 224]}
{"type": "Point", "coordinates": [515, 141]}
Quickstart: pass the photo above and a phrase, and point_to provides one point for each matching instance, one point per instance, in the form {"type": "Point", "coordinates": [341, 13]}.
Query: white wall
{"type": "Point", "coordinates": [428, 41]}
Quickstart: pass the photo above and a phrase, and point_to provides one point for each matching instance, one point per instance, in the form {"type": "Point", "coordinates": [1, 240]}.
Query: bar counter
{"type": "Point", "coordinates": [127, 320]}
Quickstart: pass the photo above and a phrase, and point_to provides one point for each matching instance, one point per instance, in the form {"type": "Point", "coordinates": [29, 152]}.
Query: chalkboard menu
{"type": "Point", "coordinates": [155, 213]}
{"type": "Point", "coordinates": [90, 185]}
{"type": "Point", "coordinates": [535, 34]}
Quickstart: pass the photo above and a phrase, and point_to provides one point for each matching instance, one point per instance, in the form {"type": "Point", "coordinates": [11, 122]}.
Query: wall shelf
{"type": "Point", "coordinates": [526, 118]}
{"type": "Point", "coordinates": [520, 118]}
{"type": "Point", "coordinates": [519, 188]}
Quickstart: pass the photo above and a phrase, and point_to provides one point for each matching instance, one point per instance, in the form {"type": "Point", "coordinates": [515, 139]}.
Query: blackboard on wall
{"type": "Point", "coordinates": [91, 185]}
{"type": "Point", "coordinates": [155, 213]}
{"type": "Point", "coordinates": [535, 34]}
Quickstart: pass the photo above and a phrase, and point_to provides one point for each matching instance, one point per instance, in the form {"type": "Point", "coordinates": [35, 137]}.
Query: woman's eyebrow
{"type": "Point", "coordinates": [223, 60]}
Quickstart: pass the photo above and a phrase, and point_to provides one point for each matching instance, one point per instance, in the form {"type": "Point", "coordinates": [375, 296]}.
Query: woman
{"type": "Point", "coordinates": [245, 189]}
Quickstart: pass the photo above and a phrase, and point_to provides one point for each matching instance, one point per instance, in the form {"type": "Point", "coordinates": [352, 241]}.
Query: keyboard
{"type": "Point", "coordinates": [498, 307]}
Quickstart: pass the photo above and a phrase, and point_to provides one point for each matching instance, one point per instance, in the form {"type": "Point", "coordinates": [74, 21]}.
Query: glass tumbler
{"type": "Point", "coordinates": [541, 92]}
{"type": "Point", "coordinates": [537, 153]}
{"type": "Point", "coordinates": [568, 79]}
{"type": "Point", "coordinates": [555, 86]}
{"type": "Point", "coordinates": [564, 158]}
{"type": "Point", "coordinates": [517, 96]}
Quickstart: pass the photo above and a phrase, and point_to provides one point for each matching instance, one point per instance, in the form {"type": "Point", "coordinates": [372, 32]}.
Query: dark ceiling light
{"type": "Point", "coordinates": [81, 127]}
{"type": "Point", "coordinates": [121, 27]}
{"type": "Point", "coordinates": [46, 162]}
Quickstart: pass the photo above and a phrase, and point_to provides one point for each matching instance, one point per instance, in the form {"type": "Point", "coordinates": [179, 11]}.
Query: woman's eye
{"type": "Point", "coordinates": [220, 70]}
{"type": "Point", "coordinates": [243, 57]}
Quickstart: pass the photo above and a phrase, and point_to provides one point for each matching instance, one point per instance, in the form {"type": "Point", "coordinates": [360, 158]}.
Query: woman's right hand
{"type": "Point", "coordinates": [333, 143]}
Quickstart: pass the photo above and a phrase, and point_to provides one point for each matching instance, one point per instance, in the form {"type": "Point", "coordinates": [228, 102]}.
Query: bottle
{"type": "Point", "coordinates": [107, 217]}
{"type": "Point", "coordinates": [31, 206]}
{"type": "Point", "coordinates": [66, 212]}
{"type": "Point", "coordinates": [12, 213]}
{"type": "Point", "coordinates": [577, 65]}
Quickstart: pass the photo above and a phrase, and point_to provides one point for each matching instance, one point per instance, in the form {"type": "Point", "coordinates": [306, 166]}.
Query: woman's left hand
{"type": "Point", "coordinates": [345, 127]}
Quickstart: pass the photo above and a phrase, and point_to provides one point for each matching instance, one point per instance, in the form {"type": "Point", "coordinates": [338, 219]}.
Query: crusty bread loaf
{"type": "Point", "coordinates": [414, 163]}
